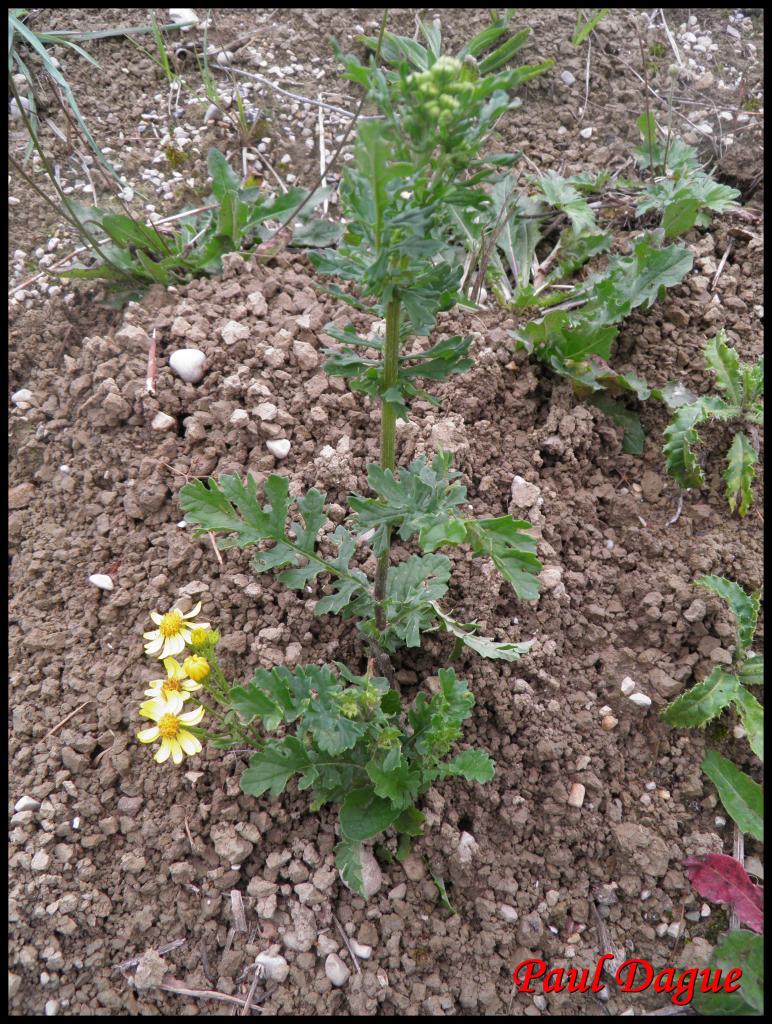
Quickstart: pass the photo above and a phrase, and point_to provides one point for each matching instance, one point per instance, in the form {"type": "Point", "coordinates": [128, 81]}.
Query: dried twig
{"type": "Point", "coordinates": [181, 989]}
{"type": "Point", "coordinates": [347, 943]}
{"type": "Point", "coordinates": [679, 510]}
{"type": "Point", "coordinates": [152, 366]}
{"type": "Point", "coordinates": [237, 908]}
{"type": "Point", "coordinates": [250, 995]}
{"type": "Point", "coordinates": [210, 535]}
{"type": "Point", "coordinates": [583, 111]}
{"type": "Point", "coordinates": [738, 853]}
{"type": "Point", "coordinates": [161, 951]}
{"type": "Point", "coordinates": [72, 714]}
{"type": "Point", "coordinates": [720, 268]}
{"type": "Point", "coordinates": [322, 155]}
{"type": "Point", "coordinates": [670, 39]}
{"type": "Point", "coordinates": [283, 92]}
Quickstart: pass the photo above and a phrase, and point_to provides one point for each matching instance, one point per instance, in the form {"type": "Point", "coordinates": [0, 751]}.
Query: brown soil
{"type": "Point", "coordinates": [122, 856]}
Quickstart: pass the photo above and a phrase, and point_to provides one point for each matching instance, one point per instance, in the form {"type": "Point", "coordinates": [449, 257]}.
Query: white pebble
{"type": "Point", "coordinates": [628, 686]}
{"type": "Point", "coordinates": [360, 950]}
{"type": "Point", "coordinates": [26, 803]}
{"type": "Point", "coordinates": [279, 449]}
{"type": "Point", "coordinates": [336, 970]}
{"type": "Point", "coordinates": [239, 418]}
{"type": "Point", "coordinates": [605, 710]}
{"type": "Point", "coordinates": [275, 968]}
{"type": "Point", "coordinates": [640, 699]}
{"type": "Point", "coordinates": [22, 398]}
{"type": "Point", "coordinates": [101, 581]}
{"type": "Point", "coordinates": [162, 421]}
{"type": "Point", "coordinates": [188, 363]}
{"type": "Point", "coordinates": [181, 15]}
{"type": "Point", "coordinates": [704, 910]}
{"type": "Point", "coordinates": [586, 133]}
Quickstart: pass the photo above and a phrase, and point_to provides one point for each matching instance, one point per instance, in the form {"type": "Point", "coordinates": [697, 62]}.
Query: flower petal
{"type": "Point", "coordinates": [149, 735]}
{"type": "Point", "coordinates": [192, 717]}
{"type": "Point", "coordinates": [156, 617]}
{"type": "Point", "coordinates": [193, 611]}
{"type": "Point", "coordinates": [173, 668]}
{"type": "Point", "coordinates": [163, 753]}
{"type": "Point", "coordinates": [177, 754]}
{"type": "Point", "coordinates": [174, 645]}
{"type": "Point", "coordinates": [189, 742]}
{"type": "Point", "coordinates": [155, 645]}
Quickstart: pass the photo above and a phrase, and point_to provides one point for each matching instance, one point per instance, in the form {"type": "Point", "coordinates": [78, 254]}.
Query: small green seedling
{"type": "Point", "coordinates": [740, 795]}
{"type": "Point", "coordinates": [742, 387]}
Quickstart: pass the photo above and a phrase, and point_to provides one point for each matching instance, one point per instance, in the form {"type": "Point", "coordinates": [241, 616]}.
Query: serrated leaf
{"type": "Point", "coordinates": [740, 472]}
{"type": "Point", "coordinates": [273, 766]}
{"type": "Point", "coordinates": [364, 815]}
{"type": "Point", "coordinates": [681, 434]}
{"type": "Point", "coordinates": [725, 363]}
{"type": "Point", "coordinates": [752, 719]}
{"type": "Point", "coordinates": [398, 785]}
{"type": "Point", "coordinates": [744, 607]}
{"type": "Point", "coordinates": [251, 702]}
{"type": "Point", "coordinates": [437, 722]}
{"type": "Point", "coordinates": [722, 879]}
{"type": "Point", "coordinates": [703, 702]}
{"type": "Point", "coordinates": [485, 646]}
{"type": "Point", "coordinates": [472, 765]}
{"type": "Point", "coordinates": [410, 823]}
{"type": "Point", "coordinates": [563, 196]}
{"type": "Point", "coordinates": [348, 860]}
{"type": "Point", "coordinates": [511, 549]}
{"type": "Point", "coordinates": [737, 949]}
{"type": "Point", "coordinates": [751, 672]}
{"type": "Point", "coordinates": [680, 216]}
{"type": "Point", "coordinates": [740, 795]}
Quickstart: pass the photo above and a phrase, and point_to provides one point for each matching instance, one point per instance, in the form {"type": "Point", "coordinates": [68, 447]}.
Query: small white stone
{"type": "Point", "coordinates": [674, 930]}
{"type": "Point", "coordinates": [101, 581]}
{"type": "Point", "coordinates": [267, 412]}
{"type": "Point", "coordinates": [233, 332]}
{"type": "Point", "coordinates": [360, 950]}
{"type": "Point", "coordinates": [26, 803]}
{"type": "Point", "coordinates": [586, 133]}
{"type": "Point", "coordinates": [336, 970]}
{"type": "Point", "coordinates": [162, 421]}
{"type": "Point", "coordinates": [224, 58]}
{"type": "Point", "coordinates": [645, 894]}
{"type": "Point", "coordinates": [576, 795]}
{"type": "Point", "coordinates": [467, 848]}
{"type": "Point", "coordinates": [705, 910]}
{"type": "Point", "coordinates": [279, 449]}
{"type": "Point", "coordinates": [582, 762]}
{"type": "Point", "coordinates": [567, 78]}
{"type": "Point", "coordinates": [275, 968]}
{"type": "Point", "coordinates": [183, 16]}
{"type": "Point", "coordinates": [22, 398]}
{"type": "Point", "coordinates": [188, 364]}
{"type": "Point", "coordinates": [628, 686]}
{"type": "Point", "coordinates": [509, 914]}
{"type": "Point", "coordinates": [738, 732]}
{"type": "Point", "coordinates": [605, 710]}
{"type": "Point", "coordinates": [239, 418]}
{"type": "Point", "coordinates": [640, 699]}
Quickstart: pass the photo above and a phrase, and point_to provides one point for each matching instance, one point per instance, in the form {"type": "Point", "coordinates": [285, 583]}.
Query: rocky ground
{"type": "Point", "coordinates": [113, 858]}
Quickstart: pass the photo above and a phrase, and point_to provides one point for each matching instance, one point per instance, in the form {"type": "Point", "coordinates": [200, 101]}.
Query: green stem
{"type": "Point", "coordinates": [388, 440]}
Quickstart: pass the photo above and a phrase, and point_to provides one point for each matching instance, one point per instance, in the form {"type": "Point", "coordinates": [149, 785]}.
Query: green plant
{"type": "Point", "coordinates": [742, 387]}
{"type": "Point", "coordinates": [354, 744]}
{"type": "Point", "coordinates": [20, 33]}
{"type": "Point", "coordinates": [740, 795]}
{"type": "Point", "coordinates": [586, 21]}
{"type": "Point", "coordinates": [235, 219]}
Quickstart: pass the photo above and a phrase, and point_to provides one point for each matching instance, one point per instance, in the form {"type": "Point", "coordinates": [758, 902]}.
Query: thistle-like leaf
{"type": "Point", "coordinates": [473, 765]}
{"type": "Point", "coordinates": [703, 702]}
{"type": "Point", "coordinates": [740, 471]}
{"type": "Point", "coordinates": [725, 363]}
{"type": "Point", "coordinates": [752, 718]}
{"type": "Point", "coordinates": [436, 723]}
{"type": "Point", "coordinates": [680, 461]}
{"type": "Point", "coordinates": [272, 767]}
{"type": "Point", "coordinates": [740, 795]}
{"type": "Point", "coordinates": [744, 607]}
{"type": "Point", "coordinates": [511, 549]}
{"type": "Point", "coordinates": [348, 860]}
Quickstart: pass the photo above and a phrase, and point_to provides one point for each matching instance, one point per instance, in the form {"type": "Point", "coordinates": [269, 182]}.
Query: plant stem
{"type": "Point", "coordinates": [388, 440]}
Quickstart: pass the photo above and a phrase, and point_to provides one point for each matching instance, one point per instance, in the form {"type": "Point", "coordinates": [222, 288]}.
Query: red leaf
{"type": "Point", "coordinates": [722, 879]}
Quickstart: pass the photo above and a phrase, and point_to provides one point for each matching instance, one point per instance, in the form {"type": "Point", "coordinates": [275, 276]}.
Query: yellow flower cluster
{"type": "Point", "coordinates": [167, 696]}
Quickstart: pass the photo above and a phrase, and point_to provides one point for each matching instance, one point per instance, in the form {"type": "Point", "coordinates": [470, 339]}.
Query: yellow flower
{"type": "Point", "coordinates": [198, 637]}
{"type": "Point", "coordinates": [196, 667]}
{"type": "Point", "coordinates": [176, 682]}
{"type": "Point", "coordinates": [170, 728]}
{"type": "Point", "coordinates": [173, 631]}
